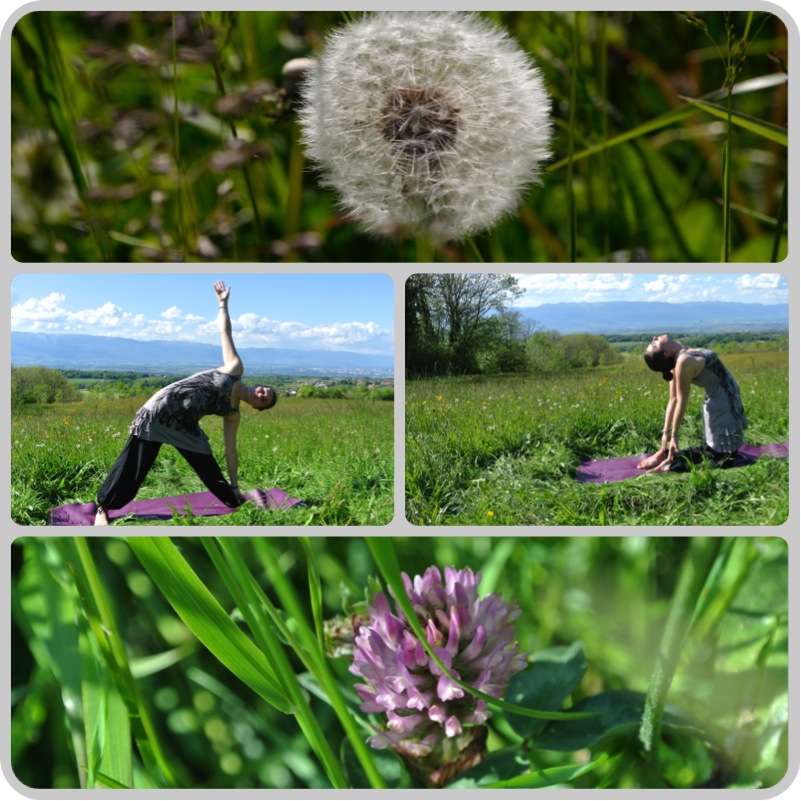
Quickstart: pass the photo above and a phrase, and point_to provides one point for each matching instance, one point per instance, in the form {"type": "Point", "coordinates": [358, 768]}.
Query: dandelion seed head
{"type": "Point", "coordinates": [425, 122]}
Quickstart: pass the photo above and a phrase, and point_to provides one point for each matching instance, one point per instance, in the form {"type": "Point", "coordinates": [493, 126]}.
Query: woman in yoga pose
{"type": "Point", "coordinates": [171, 416]}
{"type": "Point", "coordinates": [724, 416]}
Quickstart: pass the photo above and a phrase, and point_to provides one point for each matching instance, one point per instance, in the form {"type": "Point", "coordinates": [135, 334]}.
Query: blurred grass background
{"type": "Point", "coordinates": [168, 136]}
{"type": "Point", "coordinates": [213, 731]}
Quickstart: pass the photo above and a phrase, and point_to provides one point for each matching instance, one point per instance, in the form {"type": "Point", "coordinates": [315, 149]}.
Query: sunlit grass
{"type": "Point", "coordinates": [335, 455]}
{"type": "Point", "coordinates": [504, 451]}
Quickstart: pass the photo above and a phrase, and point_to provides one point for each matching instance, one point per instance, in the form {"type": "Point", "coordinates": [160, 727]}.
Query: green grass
{"type": "Point", "coordinates": [503, 451]}
{"type": "Point", "coordinates": [194, 662]}
{"type": "Point", "coordinates": [121, 149]}
{"type": "Point", "coordinates": [336, 455]}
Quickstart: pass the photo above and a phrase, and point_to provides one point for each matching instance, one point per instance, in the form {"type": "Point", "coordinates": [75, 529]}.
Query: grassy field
{"type": "Point", "coordinates": [336, 455]}
{"type": "Point", "coordinates": [162, 136]}
{"type": "Point", "coordinates": [174, 702]}
{"type": "Point", "coordinates": [504, 451]}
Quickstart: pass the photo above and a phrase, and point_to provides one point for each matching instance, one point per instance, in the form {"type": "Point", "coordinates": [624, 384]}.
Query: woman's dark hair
{"type": "Point", "coordinates": [660, 362]}
{"type": "Point", "coordinates": [273, 401]}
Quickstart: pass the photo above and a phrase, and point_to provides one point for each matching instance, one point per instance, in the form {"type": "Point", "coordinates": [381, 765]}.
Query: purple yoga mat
{"type": "Point", "coordinates": [607, 471]}
{"type": "Point", "coordinates": [202, 504]}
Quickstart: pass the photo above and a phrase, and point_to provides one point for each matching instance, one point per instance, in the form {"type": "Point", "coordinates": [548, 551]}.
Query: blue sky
{"type": "Point", "coordinates": [302, 311]}
{"type": "Point", "coordinates": [666, 287]}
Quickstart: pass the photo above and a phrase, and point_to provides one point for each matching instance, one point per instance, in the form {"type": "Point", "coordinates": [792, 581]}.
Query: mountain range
{"type": "Point", "coordinates": [84, 352]}
{"type": "Point", "coordinates": [621, 317]}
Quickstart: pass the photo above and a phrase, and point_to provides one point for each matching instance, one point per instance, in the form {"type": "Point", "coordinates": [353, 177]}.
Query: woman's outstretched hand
{"type": "Point", "coordinates": [221, 291]}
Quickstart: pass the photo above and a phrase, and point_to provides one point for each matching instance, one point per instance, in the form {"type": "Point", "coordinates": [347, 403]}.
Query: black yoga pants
{"type": "Point", "coordinates": [134, 463]}
{"type": "Point", "coordinates": [690, 456]}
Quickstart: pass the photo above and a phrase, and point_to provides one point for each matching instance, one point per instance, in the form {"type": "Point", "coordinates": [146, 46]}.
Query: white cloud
{"type": "Point", "coordinates": [674, 289]}
{"type": "Point", "coordinates": [250, 329]}
{"type": "Point", "coordinates": [164, 329]}
{"type": "Point", "coordinates": [666, 283]}
{"type": "Point", "coordinates": [761, 281]}
{"type": "Point", "coordinates": [46, 308]}
{"type": "Point", "coordinates": [580, 286]}
{"type": "Point", "coordinates": [108, 315]}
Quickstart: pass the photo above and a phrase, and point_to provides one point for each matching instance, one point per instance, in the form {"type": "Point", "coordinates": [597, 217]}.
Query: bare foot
{"type": "Point", "coordinates": [652, 461]}
{"type": "Point", "coordinates": [101, 518]}
{"type": "Point", "coordinates": [664, 467]}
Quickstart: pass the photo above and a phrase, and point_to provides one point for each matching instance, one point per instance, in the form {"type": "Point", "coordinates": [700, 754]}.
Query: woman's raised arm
{"type": "Point", "coordinates": [232, 364]}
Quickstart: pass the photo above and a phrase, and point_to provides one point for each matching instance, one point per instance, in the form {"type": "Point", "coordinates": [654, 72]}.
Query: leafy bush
{"type": "Point", "coordinates": [41, 385]}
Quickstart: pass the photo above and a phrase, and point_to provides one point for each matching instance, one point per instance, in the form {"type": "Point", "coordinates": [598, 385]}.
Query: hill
{"type": "Point", "coordinates": [620, 317]}
{"type": "Point", "coordinates": [94, 353]}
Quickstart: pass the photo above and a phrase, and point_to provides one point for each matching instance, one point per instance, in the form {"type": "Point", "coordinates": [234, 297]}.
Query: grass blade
{"type": "Point", "coordinates": [673, 116]}
{"type": "Point", "coordinates": [240, 582]}
{"type": "Point", "coordinates": [547, 777]}
{"type": "Point", "coordinates": [315, 592]}
{"type": "Point", "coordinates": [53, 639]}
{"type": "Point", "coordinates": [767, 130]}
{"type": "Point", "coordinates": [317, 663]}
{"type": "Point", "coordinates": [96, 606]}
{"type": "Point", "coordinates": [207, 620]}
{"type": "Point", "coordinates": [106, 721]}
{"type": "Point", "coordinates": [696, 567]}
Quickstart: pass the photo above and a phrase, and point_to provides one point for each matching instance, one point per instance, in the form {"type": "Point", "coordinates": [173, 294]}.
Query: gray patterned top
{"type": "Point", "coordinates": [172, 415]}
{"type": "Point", "coordinates": [724, 415]}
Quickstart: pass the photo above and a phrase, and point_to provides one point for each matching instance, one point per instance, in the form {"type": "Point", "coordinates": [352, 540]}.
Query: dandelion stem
{"type": "Point", "coordinates": [473, 248]}
{"type": "Point", "coordinates": [425, 252]}
{"type": "Point", "coordinates": [295, 185]}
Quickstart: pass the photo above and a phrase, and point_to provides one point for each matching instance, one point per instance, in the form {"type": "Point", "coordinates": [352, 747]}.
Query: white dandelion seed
{"type": "Point", "coordinates": [432, 122]}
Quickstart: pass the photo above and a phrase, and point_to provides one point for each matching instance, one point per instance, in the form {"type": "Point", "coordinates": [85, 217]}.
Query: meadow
{"type": "Point", "coordinates": [200, 662]}
{"type": "Point", "coordinates": [504, 451]}
{"type": "Point", "coordinates": [335, 455]}
{"type": "Point", "coordinates": [172, 136]}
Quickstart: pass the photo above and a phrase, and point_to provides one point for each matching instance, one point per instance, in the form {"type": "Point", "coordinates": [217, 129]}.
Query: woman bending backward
{"type": "Point", "coordinates": [724, 416]}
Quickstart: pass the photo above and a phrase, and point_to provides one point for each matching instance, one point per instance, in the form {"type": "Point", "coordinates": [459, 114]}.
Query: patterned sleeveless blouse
{"type": "Point", "coordinates": [172, 415]}
{"type": "Point", "coordinates": [724, 415]}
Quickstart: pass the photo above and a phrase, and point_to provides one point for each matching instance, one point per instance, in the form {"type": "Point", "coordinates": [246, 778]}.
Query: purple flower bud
{"type": "Point", "coordinates": [429, 718]}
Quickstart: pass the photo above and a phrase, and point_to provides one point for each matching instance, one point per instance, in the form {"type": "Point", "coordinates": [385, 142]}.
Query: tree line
{"type": "Point", "coordinates": [47, 385]}
{"type": "Point", "coordinates": [462, 324]}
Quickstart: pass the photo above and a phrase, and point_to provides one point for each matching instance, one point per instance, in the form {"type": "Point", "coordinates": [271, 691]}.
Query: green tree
{"type": "Point", "coordinates": [41, 385]}
{"type": "Point", "coordinates": [449, 319]}
{"type": "Point", "coordinates": [508, 352]}
{"type": "Point", "coordinates": [544, 355]}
